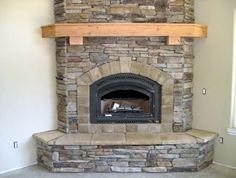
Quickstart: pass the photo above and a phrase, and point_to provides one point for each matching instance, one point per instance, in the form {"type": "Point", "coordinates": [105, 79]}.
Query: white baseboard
{"type": "Point", "coordinates": [14, 169]}
{"type": "Point", "coordinates": [224, 165]}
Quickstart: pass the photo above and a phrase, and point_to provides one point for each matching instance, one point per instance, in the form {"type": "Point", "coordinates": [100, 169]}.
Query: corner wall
{"type": "Point", "coordinates": [213, 71]}
{"type": "Point", "coordinates": [27, 79]}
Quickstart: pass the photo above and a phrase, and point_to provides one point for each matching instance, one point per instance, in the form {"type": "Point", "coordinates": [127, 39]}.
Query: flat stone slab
{"type": "Point", "coordinates": [202, 136]}
{"type": "Point", "coordinates": [177, 138]}
{"type": "Point", "coordinates": [108, 139]}
{"type": "Point", "coordinates": [48, 136]}
{"type": "Point", "coordinates": [190, 137]}
{"type": "Point", "coordinates": [143, 139]}
{"type": "Point", "coordinates": [74, 139]}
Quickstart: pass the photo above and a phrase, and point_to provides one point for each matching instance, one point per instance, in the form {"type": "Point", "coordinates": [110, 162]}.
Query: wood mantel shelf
{"type": "Point", "coordinates": [76, 31]}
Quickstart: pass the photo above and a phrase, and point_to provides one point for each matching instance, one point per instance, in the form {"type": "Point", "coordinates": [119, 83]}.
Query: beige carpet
{"type": "Point", "coordinates": [214, 171]}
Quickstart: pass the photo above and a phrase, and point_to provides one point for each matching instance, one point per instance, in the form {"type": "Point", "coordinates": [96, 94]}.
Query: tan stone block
{"type": "Point", "coordinates": [148, 10]}
{"type": "Point", "coordinates": [107, 128]}
{"type": "Point", "coordinates": [163, 78]}
{"type": "Point", "coordinates": [163, 163]}
{"type": "Point", "coordinates": [167, 108]}
{"type": "Point", "coordinates": [95, 128]}
{"type": "Point", "coordinates": [84, 79]}
{"type": "Point", "coordinates": [83, 128]}
{"type": "Point", "coordinates": [71, 98]}
{"type": "Point", "coordinates": [86, 69]}
{"type": "Point", "coordinates": [142, 138]}
{"type": "Point", "coordinates": [83, 101]}
{"type": "Point", "coordinates": [177, 138]}
{"type": "Point", "coordinates": [62, 117]}
{"type": "Point", "coordinates": [119, 128]}
{"type": "Point", "coordinates": [131, 128]}
{"type": "Point", "coordinates": [167, 100]}
{"type": "Point", "coordinates": [169, 81]}
{"type": "Point", "coordinates": [95, 74]}
{"type": "Point", "coordinates": [122, 9]}
{"type": "Point", "coordinates": [45, 137]}
{"type": "Point", "coordinates": [73, 127]}
{"type": "Point", "coordinates": [115, 67]}
{"type": "Point", "coordinates": [80, 81]}
{"type": "Point", "coordinates": [168, 89]}
{"type": "Point", "coordinates": [167, 117]}
{"type": "Point", "coordinates": [109, 139]}
{"type": "Point", "coordinates": [145, 70]}
{"type": "Point", "coordinates": [74, 139]}
{"type": "Point", "coordinates": [148, 7]}
{"type": "Point", "coordinates": [62, 126]}
{"type": "Point", "coordinates": [114, 128]}
{"type": "Point", "coordinates": [154, 74]}
{"type": "Point", "coordinates": [83, 110]}
{"type": "Point", "coordinates": [136, 67]}
{"type": "Point", "coordinates": [83, 91]}
{"type": "Point", "coordinates": [83, 119]}
{"type": "Point", "coordinates": [149, 128]}
{"type": "Point", "coordinates": [166, 127]}
{"type": "Point", "coordinates": [202, 135]}
{"type": "Point", "coordinates": [105, 70]}
{"type": "Point", "coordinates": [75, 49]}
{"type": "Point", "coordinates": [125, 64]}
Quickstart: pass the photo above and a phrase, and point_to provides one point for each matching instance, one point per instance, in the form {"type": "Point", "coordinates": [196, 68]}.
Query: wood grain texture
{"type": "Point", "coordinates": [173, 40]}
{"type": "Point", "coordinates": [171, 30]}
{"type": "Point", "coordinates": [76, 40]}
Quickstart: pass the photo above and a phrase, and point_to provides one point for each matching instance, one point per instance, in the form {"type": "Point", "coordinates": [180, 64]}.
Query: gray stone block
{"type": "Point", "coordinates": [128, 169]}
{"type": "Point", "coordinates": [184, 163]}
{"type": "Point", "coordinates": [155, 169]}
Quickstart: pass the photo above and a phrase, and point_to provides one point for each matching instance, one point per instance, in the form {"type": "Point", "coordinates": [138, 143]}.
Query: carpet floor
{"type": "Point", "coordinates": [213, 171]}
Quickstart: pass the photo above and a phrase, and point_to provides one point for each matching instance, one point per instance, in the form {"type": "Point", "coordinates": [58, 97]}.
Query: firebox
{"type": "Point", "coordinates": [125, 98]}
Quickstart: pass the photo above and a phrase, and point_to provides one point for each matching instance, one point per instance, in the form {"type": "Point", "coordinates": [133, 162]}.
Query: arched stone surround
{"type": "Point", "coordinates": [125, 65]}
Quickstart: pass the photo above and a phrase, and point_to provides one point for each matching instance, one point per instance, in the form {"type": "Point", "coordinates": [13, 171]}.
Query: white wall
{"type": "Point", "coordinates": [213, 70]}
{"type": "Point", "coordinates": [27, 79]}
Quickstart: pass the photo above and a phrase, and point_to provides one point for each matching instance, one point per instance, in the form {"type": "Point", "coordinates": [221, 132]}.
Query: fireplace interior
{"type": "Point", "coordinates": [125, 98]}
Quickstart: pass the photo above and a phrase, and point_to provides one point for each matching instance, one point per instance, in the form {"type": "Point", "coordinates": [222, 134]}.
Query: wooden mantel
{"type": "Point", "coordinates": [77, 31]}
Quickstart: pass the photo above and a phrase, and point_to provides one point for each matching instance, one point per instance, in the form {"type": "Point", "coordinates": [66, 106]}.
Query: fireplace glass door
{"type": "Point", "coordinates": [125, 98]}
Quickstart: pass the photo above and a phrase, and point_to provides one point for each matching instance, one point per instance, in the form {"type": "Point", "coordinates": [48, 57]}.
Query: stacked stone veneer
{"type": "Point", "coordinates": [155, 158]}
{"type": "Point", "coordinates": [74, 11]}
{"type": "Point", "coordinates": [78, 66]}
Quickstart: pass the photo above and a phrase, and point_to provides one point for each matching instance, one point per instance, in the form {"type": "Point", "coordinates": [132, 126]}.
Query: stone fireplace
{"type": "Point", "coordinates": [121, 100]}
{"type": "Point", "coordinates": [78, 67]}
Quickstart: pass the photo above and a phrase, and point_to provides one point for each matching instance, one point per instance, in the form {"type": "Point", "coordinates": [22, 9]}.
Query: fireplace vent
{"type": "Point", "coordinates": [125, 98]}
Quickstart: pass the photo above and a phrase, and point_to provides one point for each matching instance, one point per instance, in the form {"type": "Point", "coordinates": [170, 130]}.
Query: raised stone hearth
{"type": "Point", "coordinates": [130, 152]}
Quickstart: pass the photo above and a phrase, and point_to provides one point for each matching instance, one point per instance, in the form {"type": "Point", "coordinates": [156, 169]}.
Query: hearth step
{"type": "Point", "coordinates": [129, 152]}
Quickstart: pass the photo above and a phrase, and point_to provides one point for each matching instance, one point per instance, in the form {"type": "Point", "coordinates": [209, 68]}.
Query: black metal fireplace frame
{"type": "Point", "coordinates": [125, 81]}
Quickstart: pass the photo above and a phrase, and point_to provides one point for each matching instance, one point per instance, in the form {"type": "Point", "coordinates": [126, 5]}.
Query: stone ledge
{"type": "Point", "coordinates": [202, 136]}
{"type": "Point", "coordinates": [193, 136]}
{"type": "Point", "coordinates": [48, 136]}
